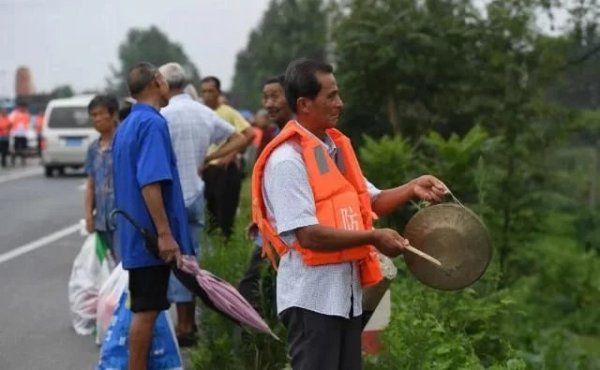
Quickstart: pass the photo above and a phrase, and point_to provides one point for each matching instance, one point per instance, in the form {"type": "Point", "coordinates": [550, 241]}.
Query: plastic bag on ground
{"type": "Point", "coordinates": [164, 351]}
{"type": "Point", "coordinates": [108, 299]}
{"type": "Point", "coordinates": [91, 268]}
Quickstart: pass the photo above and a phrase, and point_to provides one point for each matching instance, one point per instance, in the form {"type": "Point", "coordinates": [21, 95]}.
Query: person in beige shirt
{"type": "Point", "coordinates": [223, 177]}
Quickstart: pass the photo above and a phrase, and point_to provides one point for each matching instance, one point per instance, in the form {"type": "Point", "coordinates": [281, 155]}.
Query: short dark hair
{"type": "Point", "coordinates": [214, 80]}
{"type": "Point", "coordinates": [301, 80]}
{"type": "Point", "coordinates": [107, 101]}
{"type": "Point", "coordinates": [140, 76]}
{"type": "Point", "coordinates": [280, 79]}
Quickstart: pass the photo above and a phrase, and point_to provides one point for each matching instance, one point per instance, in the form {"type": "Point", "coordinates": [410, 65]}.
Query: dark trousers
{"type": "Point", "coordinates": [4, 150]}
{"type": "Point", "coordinates": [39, 142]}
{"type": "Point", "coordinates": [20, 147]}
{"type": "Point", "coordinates": [321, 342]}
{"type": "Point", "coordinates": [248, 286]}
{"type": "Point", "coordinates": [222, 193]}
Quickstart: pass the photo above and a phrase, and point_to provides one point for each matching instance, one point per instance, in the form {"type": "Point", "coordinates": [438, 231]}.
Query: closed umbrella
{"type": "Point", "coordinates": [215, 292]}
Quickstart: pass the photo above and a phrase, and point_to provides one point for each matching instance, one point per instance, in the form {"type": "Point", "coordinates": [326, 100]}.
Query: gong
{"type": "Point", "coordinates": [456, 237]}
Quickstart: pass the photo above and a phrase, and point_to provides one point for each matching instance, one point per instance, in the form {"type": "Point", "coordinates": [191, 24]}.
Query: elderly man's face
{"type": "Point", "coordinates": [326, 107]}
{"type": "Point", "coordinates": [274, 102]}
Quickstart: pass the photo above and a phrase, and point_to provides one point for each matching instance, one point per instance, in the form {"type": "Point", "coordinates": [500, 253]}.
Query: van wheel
{"type": "Point", "coordinates": [49, 171]}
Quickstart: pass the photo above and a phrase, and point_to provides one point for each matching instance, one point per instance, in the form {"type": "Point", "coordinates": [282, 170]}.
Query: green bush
{"type": "Point", "coordinates": [537, 319]}
{"type": "Point", "coordinates": [443, 330]}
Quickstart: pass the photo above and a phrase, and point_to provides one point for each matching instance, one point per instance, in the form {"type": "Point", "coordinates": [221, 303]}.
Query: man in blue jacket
{"type": "Point", "coordinates": [147, 186]}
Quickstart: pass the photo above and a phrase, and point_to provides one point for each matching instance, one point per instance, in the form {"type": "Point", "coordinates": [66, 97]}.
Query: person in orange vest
{"type": "Point", "coordinates": [314, 208]}
{"type": "Point", "coordinates": [4, 136]}
{"type": "Point", "coordinates": [19, 119]}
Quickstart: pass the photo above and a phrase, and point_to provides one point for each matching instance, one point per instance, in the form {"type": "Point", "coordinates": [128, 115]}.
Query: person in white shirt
{"type": "Point", "coordinates": [321, 304]}
{"type": "Point", "coordinates": [193, 127]}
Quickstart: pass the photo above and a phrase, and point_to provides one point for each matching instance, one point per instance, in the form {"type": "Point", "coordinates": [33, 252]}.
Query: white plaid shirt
{"type": "Point", "coordinates": [328, 289]}
{"type": "Point", "coordinates": [193, 127]}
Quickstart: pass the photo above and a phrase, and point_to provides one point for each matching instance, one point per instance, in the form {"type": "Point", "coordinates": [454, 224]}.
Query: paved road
{"type": "Point", "coordinates": [35, 331]}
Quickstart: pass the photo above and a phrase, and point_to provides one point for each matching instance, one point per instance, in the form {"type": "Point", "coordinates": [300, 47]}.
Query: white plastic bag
{"type": "Point", "coordinates": [91, 268]}
{"type": "Point", "coordinates": [108, 299]}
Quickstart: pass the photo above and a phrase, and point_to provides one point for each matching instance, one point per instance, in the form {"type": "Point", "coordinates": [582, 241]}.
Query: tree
{"type": "Point", "coordinates": [579, 85]}
{"type": "Point", "coordinates": [149, 45]}
{"type": "Point", "coordinates": [63, 91]}
{"type": "Point", "coordinates": [289, 29]}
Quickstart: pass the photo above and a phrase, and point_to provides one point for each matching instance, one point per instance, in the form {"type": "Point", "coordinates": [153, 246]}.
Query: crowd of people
{"type": "Point", "coordinates": [170, 157]}
{"type": "Point", "coordinates": [14, 127]}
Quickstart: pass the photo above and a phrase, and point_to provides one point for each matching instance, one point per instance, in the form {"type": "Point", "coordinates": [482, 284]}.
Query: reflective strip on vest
{"type": "Point", "coordinates": [320, 158]}
{"type": "Point", "coordinates": [339, 161]}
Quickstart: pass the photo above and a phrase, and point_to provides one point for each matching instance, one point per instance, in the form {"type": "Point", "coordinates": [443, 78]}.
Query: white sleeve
{"type": "Point", "coordinates": [372, 190]}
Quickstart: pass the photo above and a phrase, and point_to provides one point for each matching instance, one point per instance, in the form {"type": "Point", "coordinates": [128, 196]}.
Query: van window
{"type": "Point", "coordinates": [69, 117]}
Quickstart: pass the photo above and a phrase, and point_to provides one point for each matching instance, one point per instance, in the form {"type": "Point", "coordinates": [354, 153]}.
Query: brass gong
{"type": "Point", "coordinates": [456, 237]}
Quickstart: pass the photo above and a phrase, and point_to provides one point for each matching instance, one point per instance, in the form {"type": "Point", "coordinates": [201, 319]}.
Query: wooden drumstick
{"type": "Point", "coordinates": [423, 255]}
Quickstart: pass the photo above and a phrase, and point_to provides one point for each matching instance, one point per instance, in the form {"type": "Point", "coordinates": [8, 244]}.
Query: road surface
{"type": "Point", "coordinates": [38, 242]}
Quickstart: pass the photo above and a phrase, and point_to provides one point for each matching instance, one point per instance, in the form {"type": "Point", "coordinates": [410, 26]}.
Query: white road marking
{"type": "Point", "coordinates": [21, 174]}
{"type": "Point", "coordinates": [46, 240]}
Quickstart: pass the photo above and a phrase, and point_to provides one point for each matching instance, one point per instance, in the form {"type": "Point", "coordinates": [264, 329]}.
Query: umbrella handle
{"type": "Point", "coordinates": [113, 219]}
{"type": "Point", "coordinates": [150, 241]}
{"type": "Point", "coordinates": [424, 255]}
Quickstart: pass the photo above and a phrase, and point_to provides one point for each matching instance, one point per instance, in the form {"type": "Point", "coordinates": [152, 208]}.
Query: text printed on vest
{"type": "Point", "coordinates": [349, 219]}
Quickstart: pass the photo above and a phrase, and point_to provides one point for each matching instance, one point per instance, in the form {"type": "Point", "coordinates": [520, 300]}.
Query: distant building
{"type": "Point", "coordinates": [23, 82]}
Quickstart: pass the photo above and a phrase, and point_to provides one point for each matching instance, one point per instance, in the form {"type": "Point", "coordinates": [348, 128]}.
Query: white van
{"type": "Point", "coordinates": [67, 132]}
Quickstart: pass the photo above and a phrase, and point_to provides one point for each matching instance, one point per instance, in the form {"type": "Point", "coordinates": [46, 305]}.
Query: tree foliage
{"type": "Point", "coordinates": [579, 83]}
{"type": "Point", "coordinates": [442, 65]}
{"type": "Point", "coordinates": [289, 29]}
{"type": "Point", "coordinates": [148, 45]}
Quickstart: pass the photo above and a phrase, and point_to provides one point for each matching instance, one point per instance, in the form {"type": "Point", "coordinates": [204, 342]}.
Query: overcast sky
{"type": "Point", "coordinates": [74, 41]}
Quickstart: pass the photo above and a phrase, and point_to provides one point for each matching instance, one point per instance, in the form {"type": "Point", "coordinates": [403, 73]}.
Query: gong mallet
{"type": "Point", "coordinates": [424, 255]}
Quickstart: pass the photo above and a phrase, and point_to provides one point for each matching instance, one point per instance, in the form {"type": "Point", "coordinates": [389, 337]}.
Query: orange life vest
{"type": "Point", "coordinates": [4, 126]}
{"type": "Point", "coordinates": [19, 120]}
{"type": "Point", "coordinates": [341, 200]}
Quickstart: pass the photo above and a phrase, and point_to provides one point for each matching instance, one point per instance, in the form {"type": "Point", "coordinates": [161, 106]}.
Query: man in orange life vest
{"type": "Point", "coordinates": [19, 119]}
{"type": "Point", "coordinates": [314, 209]}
